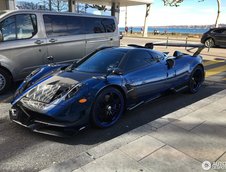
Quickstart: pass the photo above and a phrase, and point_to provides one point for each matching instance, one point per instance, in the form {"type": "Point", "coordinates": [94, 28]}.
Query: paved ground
{"type": "Point", "coordinates": [179, 141]}
{"type": "Point", "coordinates": [21, 150]}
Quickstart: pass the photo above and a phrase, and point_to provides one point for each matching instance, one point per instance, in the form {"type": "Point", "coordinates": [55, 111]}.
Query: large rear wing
{"type": "Point", "coordinates": [176, 54]}
{"type": "Point", "coordinates": [199, 50]}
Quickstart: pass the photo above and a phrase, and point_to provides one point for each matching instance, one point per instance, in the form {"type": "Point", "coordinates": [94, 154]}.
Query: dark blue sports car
{"type": "Point", "coordinates": [100, 87]}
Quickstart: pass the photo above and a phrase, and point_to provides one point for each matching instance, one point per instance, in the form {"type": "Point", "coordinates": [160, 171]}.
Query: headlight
{"type": "Point", "coordinates": [73, 91]}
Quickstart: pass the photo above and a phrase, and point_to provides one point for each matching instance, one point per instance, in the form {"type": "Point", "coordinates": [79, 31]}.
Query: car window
{"type": "Point", "coordinates": [57, 25]}
{"type": "Point", "coordinates": [109, 25]}
{"type": "Point", "coordinates": [26, 26]}
{"type": "Point", "coordinates": [137, 59]}
{"type": "Point", "coordinates": [101, 61]}
{"type": "Point", "coordinates": [157, 56]}
{"type": "Point", "coordinates": [22, 26]}
{"type": "Point", "coordinates": [75, 25]}
{"type": "Point", "coordinates": [94, 25]}
{"type": "Point", "coordinates": [224, 32]}
{"type": "Point", "coordinates": [8, 28]}
{"type": "Point", "coordinates": [218, 31]}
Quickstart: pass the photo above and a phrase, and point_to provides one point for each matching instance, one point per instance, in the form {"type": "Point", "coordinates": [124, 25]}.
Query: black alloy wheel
{"type": "Point", "coordinates": [107, 108]}
{"type": "Point", "coordinates": [196, 79]}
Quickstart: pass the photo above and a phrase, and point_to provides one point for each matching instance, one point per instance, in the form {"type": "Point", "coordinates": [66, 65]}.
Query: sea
{"type": "Point", "coordinates": [169, 30]}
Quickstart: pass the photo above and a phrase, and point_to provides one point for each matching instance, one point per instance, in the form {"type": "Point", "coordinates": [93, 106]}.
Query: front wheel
{"type": "Point", "coordinates": [5, 81]}
{"type": "Point", "coordinates": [196, 80]}
{"type": "Point", "coordinates": [107, 108]}
{"type": "Point", "coordinates": [209, 43]}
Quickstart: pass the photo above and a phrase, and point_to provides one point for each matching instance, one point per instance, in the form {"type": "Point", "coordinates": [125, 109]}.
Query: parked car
{"type": "Point", "coordinates": [100, 87]}
{"type": "Point", "coordinates": [214, 37]}
{"type": "Point", "coordinates": [29, 39]}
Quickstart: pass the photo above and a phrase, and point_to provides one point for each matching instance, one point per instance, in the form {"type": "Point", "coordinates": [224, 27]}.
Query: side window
{"type": "Point", "coordinates": [224, 32]}
{"type": "Point", "coordinates": [22, 26]}
{"type": "Point", "coordinates": [157, 56]}
{"type": "Point", "coordinates": [75, 25]}
{"type": "Point", "coordinates": [8, 28]}
{"type": "Point", "coordinates": [218, 31]}
{"type": "Point", "coordinates": [109, 25]}
{"type": "Point", "coordinates": [55, 25]}
{"type": "Point", "coordinates": [94, 25]}
{"type": "Point", "coordinates": [136, 59]}
{"type": "Point", "coordinates": [26, 26]}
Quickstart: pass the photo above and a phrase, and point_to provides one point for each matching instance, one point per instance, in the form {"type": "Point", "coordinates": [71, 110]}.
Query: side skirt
{"type": "Point", "coordinates": [144, 102]}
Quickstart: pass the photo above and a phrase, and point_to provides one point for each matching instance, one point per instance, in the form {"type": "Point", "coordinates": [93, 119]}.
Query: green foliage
{"type": "Point", "coordinates": [172, 3]}
{"type": "Point", "coordinates": [99, 7]}
{"type": "Point", "coordinates": [175, 3]}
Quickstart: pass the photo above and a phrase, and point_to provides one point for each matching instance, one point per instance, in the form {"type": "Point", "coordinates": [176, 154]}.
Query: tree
{"type": "Point", "coordinates": [176, 3]}
{"type": "Point", "coordinates": [172, 3]}
{"type": "Point", "coordinates": [98, 7]}
{"type": "Point", "coordinates": [28, 5]}
{"type": "Point", "coordinates": [57, 5]}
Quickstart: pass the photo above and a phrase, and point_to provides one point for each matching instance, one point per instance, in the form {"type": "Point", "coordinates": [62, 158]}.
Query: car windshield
{"type": "Point", "coordinates": [101, 61]}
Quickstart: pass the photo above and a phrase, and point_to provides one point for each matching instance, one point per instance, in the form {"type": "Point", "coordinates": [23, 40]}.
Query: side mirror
{"type": "Point", "coordinates": [1, 36]}
{"type": "Point", "coordinates": [170, 63]}
{"type": "Point", "coordinates": [117, 71]}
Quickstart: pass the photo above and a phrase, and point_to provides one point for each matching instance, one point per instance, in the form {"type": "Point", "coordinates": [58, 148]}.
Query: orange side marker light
{"type": "Point", "coordinates": [83, 100]}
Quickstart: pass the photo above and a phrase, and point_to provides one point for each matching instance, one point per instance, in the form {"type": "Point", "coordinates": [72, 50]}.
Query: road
{"type": "Point", "coordinates": [22, 150]}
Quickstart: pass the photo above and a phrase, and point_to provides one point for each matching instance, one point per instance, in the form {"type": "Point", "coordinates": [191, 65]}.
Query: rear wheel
{"type": "Point", "coordinates": [5, 81]}
{"type": "Point", "coordinates": [209, 42]}
{"type": "Point", "coordinates": [196, 80]}
{"type": "Point", "coordinates": [107, 108]}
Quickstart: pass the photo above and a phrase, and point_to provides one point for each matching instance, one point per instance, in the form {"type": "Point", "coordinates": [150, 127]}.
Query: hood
{"type": "Point", "coordinates": [57, 85]}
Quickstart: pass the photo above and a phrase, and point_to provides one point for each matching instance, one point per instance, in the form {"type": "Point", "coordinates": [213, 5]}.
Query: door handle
{"type": "Point", "coordinates": [38, 42]}
{"type": "Point", "coordinates": [52, 40]}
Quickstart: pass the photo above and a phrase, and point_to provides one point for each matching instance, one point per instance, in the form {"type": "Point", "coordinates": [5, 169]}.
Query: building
{"type": "Point", "coordinates": [7, 4]}
{"type": "Point", "coordinates": [115, 6]}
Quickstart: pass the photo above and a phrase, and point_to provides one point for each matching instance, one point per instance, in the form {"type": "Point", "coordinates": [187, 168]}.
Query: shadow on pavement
{"type": "Point", "coordinates": [138, 117]}
{"type": "Point", "coordinates": [7, 97]}
{"type": "Point", "coordinates": [18, 140]}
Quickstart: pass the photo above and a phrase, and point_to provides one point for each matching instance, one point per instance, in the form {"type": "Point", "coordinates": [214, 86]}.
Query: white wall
{"type": "Point", "coordinates": [7, 4]}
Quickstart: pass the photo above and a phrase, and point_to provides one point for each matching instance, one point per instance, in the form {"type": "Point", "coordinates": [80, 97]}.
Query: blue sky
{"type": "Point", "coordinates": [190, 12]}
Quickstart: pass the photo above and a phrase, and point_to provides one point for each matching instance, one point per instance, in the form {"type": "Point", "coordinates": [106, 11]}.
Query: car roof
{"type": "Point", "coordinates": [52, 12]}
{"type": "Point", "coordinates": [127, 49]}
{"type": "Point", "coordinates": [218, 28]}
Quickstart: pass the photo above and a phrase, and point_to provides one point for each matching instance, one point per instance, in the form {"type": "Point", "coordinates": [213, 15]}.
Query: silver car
{"type": "Point", "coordinates": [29, 39]}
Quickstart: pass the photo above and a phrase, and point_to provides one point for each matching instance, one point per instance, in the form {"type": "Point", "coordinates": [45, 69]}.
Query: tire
{"type": "Point", "coordinates": [209, 43]}
{"type": "Point", "coordinates": [196, 79]}
{"type": "Point", "coordinates": [5, 81]}
{"type": "Point", "coordinates": [107, 108]}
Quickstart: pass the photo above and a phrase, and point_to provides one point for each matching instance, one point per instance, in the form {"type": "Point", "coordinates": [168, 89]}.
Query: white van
{"type": "Point", "coordinates": [29, 39]}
